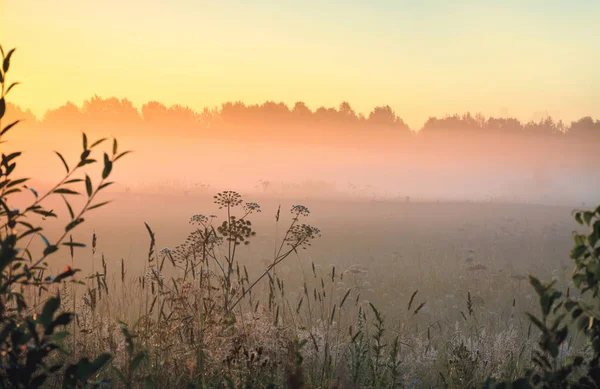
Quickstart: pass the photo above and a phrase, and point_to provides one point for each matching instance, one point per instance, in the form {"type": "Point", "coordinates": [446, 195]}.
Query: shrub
{"type": "Point", "coordinates": [31, 339]}
{"type": "Point", "coordinates": [562, 314]}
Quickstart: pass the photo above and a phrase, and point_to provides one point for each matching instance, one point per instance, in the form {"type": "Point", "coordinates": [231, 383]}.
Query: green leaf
{"type": "Point", "coordinates": [98, 205]}
{"type": "Point", "coordinates": [6, 62]}
{"type": "Point", "coordinates": [66, 191]}
{"type": "Point", "coordinates": [8, 127]}
{"type": "Point", "coordinates": [122, 155]}
{"type": "Point", "coordinates": [537, 285]}
{"type": "Point", "coordinates": [85, 143]}
{"type": "Point", "coordinates": [73, 224]}
{"type": "Point", "coordinates": [29, 232]}
{"type": "Point", "coordinates": [96, 143]}
{"type": "Point", "coordinates": [44, 212]}
{"type": "Point", "coordinates": [114, 149]}
{"type": "Point", "coordinates": [2, 107]}
{"type": "Point", "coordinates": [537, 322]}
{"type": "Point", "coordinates": [69, 272]}
{"type": "Point", "coordinates": [7, 158]}
{"type": "Point", "coordinates": [107, 166]}
{"type": "Point", "coordinates": [106, 184]}
{"type": "Point", "coordinates": [46, 242]}
{"type": "Point", "coordinates": [101, 361]}
{"type": "Point", "coordinates": [595, 235]}
{"type": "Point", "coordinates": [84, 162]}
{"type": "Point", "coordinates": [35, 193]}
{"type": "Point", "coordinates": [14, 190]}
{"type": "Point", "coordinates": [45, 318]}
{"type": "Point", "coordinates": [63, 160]}
{"type": "Point", "coordinates": [71, 213]}
{"type": "Point", "coordinates": [88, 185]}
{"type": "Point", "coordinates": [62, 320]}
{"type": "Point", "coordinates": [11, 86]}
{"type": "Point", "coordinates": [50, 249]}
{"type": "Point", "coordinates": [578, 251]}
{"type": "Point", "coordinates": [17, 182]}
{"type": "Point", "coordinates": [72, 181]}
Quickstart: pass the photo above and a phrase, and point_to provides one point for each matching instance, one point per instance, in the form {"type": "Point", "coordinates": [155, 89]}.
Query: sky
{"type": "Point", "coordinates": [428, 58]}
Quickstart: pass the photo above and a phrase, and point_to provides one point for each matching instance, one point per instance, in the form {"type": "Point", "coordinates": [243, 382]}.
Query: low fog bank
{"type": "Point", "coordinates": [412, 169]}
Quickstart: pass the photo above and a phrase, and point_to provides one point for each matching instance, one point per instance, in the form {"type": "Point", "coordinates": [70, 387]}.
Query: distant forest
{"type": "Point", "coordinates": [121, 112]}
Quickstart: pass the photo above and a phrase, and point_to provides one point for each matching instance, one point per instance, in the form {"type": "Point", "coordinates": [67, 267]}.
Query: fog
{"type": "Point", "coordinates": [499, 168]}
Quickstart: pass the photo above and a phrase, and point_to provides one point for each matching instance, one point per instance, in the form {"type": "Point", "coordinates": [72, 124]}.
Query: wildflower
{"type": "Point", "coordinates": [228, 199]}
{"type": "Point", "coordinates": [301, 235]}
{"type": "Point", "coordinates": [198, 219]}
{"type": "Point", "coordinates": [300, 210]}
{"type": "Point", "coordinates": [252, 207]}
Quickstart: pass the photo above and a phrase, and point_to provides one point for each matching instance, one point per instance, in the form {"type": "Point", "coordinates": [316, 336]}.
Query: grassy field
{"type": "Point", "coordinates": [466, 262]}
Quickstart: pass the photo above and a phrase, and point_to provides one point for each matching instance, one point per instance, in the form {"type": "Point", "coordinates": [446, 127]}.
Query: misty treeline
{"type": "Point", "coordinates": [122, 111]}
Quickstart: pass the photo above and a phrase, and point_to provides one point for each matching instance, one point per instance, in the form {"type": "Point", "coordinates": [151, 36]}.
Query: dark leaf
{"type": "Point", "coordinates": [71, 213]}
{"type": "Point", "coordinates": [98, 205]}
{"type": "Point", "coordinates": [66, 191]}
{"type": "Point", "coordinates": [50, 249]}
{"type": "Point", "coordinates": [73, 224]}
{"type": "Point", "coordinates": [96, 143]}
{"type": "Point", "coordinates": [6, 63]}
{"type": "Point", "coordinates": [63, 160]}
{"type": "Point", "coordinates": [8, 127]}
{"type": "Point", "coordinates": [122, 155]}
{"type": "Point", "coordinates": [10, 87]}
{"type": "Point", "coordinates": [88, 185]}
{"type": "Point", "coordinates": [45, 318]}
{"type": "Point", "coordinates": [107, 166]}
{"type": "Point", "coordinates": [105, 185]}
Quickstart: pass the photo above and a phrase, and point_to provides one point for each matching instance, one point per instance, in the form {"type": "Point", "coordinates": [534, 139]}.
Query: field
{"type": "Point", "coordinates": [466, 262]}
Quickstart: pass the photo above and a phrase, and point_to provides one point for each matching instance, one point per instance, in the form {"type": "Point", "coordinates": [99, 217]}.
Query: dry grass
{"type": "Point", "coordinates": [465, 322]}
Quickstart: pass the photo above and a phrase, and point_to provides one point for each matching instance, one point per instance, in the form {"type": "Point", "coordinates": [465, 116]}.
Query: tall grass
{"type": "Point", "coordinates": [198, 317]}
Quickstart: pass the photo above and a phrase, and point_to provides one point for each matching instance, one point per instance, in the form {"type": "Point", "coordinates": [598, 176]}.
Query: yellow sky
{"type": "Point", "coordinates": [434, 58]}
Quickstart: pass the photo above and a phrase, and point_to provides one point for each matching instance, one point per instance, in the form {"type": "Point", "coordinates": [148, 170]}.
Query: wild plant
{"type": "Point", "coordinates": [32, 346]}
{"type": "Point", "coordinates": [562, 314]}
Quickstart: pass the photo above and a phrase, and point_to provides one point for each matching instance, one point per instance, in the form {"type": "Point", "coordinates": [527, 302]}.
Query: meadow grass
{"type": "Point", "coordinates": [404, 322]}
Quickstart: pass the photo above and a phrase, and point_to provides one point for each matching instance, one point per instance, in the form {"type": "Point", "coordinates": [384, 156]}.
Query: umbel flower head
{"type": "Point", "coordinates": [252, 207]}
{"type": "Point", "coordinates": [228, 199]}
{"type": "Point", "coordinates": [198, 219]}
{"type": "Point", "coordinates": [301, 235]}
{"type": "Point", "coordinates": [299, 210]}
{"type": "Point", "coordinates": [237, 230]}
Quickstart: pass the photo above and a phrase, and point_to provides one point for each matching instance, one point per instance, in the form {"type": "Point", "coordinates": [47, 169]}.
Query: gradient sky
{"type": "Point", "coordinates": [426, 58]}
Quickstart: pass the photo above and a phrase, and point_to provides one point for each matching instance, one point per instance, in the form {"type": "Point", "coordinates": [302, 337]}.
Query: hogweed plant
{"type": "Point", "coordinates": [32, 347]}
{"type": "Point", "coordinates": [210, 251]}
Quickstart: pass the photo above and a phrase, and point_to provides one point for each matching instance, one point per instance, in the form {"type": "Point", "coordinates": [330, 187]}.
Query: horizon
{"type": "Point", "coordinates": [338, 108]}
{"type": "Point", "coordinates": [543, 65]}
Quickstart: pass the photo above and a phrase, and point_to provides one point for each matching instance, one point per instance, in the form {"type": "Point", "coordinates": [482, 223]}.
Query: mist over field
{"type": "Point", "coordinates": [277, 151]}
{"type": "Point", "coordinates": [300, 195]}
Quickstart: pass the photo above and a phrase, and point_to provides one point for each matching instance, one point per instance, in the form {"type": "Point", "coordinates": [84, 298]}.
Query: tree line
{"type": "Point", "coordinates": [122, 111]}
